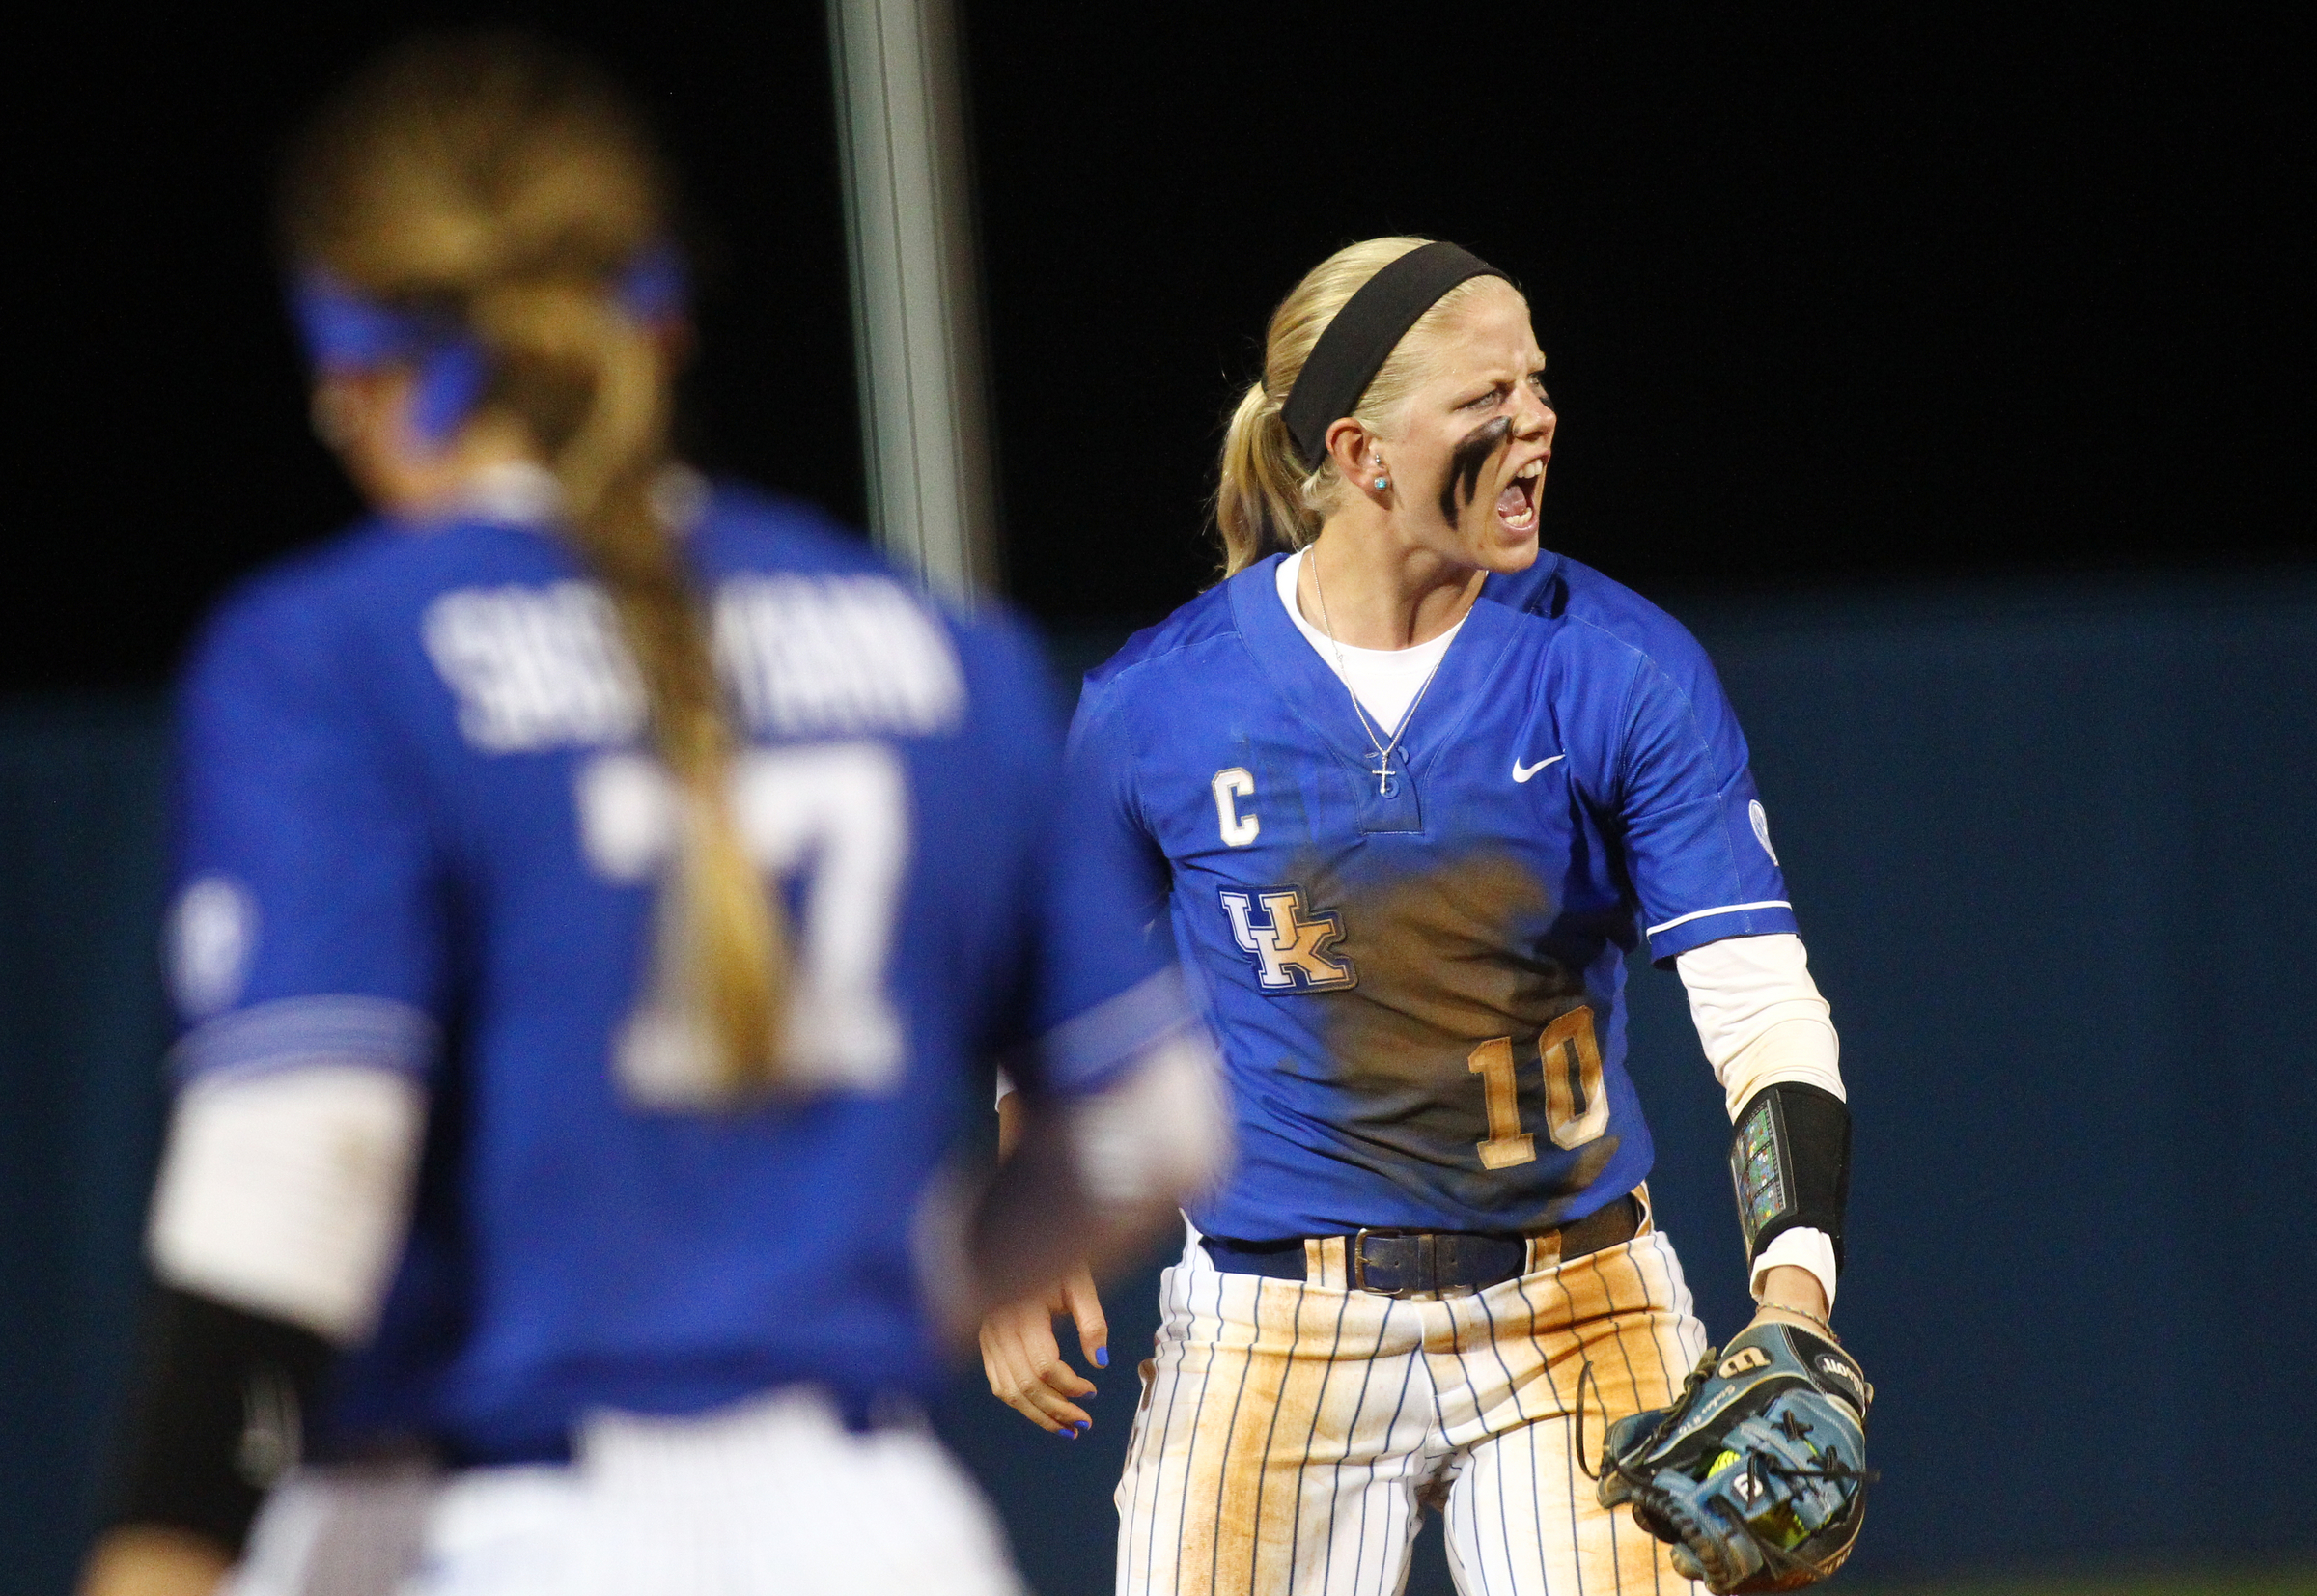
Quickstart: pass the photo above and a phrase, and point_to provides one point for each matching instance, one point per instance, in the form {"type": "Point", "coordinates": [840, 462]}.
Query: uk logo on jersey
{"type": "Point", "coordinates": [1291, 950]}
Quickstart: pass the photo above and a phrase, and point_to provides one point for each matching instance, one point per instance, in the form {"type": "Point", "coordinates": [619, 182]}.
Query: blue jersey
{"type": "Point", "coordinates": [1420, 995]}
{"type": "Point", "coordinates": [420, 832]}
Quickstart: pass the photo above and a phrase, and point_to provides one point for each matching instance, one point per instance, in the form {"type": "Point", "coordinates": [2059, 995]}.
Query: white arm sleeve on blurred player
{"type": "Point", "coordinates": [1160, 1134]}
{"type": "Point", "coordinates": [1761, 1020]}
{"type": "Point", "coordinates": [287, 1192]}
{"type": "Point", "coordinates": [1093, 1172]}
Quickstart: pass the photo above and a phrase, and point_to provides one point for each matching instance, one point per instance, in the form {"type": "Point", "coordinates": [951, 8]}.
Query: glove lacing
{"type": "Point", "coordinates": [1697, 1378]}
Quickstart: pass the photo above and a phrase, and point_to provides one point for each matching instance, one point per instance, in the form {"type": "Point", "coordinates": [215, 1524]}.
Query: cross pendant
{"type": "Point", "coordinates": [1383, 776]}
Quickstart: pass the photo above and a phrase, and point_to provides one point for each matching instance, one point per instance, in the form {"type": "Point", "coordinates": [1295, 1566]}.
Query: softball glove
{"type": "Point", "coordinates": [1757, 1473]}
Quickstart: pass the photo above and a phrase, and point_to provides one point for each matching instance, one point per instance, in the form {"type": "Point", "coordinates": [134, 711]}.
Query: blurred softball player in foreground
{"type": "Point", "coordinates": [1408, 790]}
{"type": "Point", "coordinates": [602, 896]}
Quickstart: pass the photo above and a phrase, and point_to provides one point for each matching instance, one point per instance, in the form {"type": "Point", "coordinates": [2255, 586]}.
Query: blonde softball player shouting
{"type": "Point", "coordinates": [1409, 790]}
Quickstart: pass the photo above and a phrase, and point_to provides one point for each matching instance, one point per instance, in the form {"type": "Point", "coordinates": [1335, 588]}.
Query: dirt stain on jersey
{"type": "Point", "coordinates": [1449, 959]}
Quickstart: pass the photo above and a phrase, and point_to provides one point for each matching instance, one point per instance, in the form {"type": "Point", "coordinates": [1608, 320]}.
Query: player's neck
{"type": "Point", "coordinates": [404, 476]}
{"type": "Point", "coordinates": [1371, 591]}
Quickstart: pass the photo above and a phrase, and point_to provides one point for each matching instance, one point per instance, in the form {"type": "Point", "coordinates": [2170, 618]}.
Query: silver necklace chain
{"type": "Point", "coordinates": [1384, 750]}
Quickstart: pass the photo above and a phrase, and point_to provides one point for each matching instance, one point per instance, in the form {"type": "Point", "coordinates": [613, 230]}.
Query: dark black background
{"type": "Point", "coordinates": [1829, 296]}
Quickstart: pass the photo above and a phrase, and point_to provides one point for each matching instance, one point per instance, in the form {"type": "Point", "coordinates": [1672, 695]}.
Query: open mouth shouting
{"type": "Point", "coordinates": [1516, 505]}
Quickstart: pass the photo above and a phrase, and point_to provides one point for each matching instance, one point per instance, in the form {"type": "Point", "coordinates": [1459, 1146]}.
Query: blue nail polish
{"type": "Point", "coordinates": [1102, 1357]}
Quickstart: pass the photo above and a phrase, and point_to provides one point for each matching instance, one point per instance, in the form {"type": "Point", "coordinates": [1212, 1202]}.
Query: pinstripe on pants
{"type": "Point", "coordinates": [1290, 1431]}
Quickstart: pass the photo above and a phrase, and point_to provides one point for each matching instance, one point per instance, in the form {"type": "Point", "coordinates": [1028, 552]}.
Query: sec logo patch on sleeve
{"type": "Point", "coordinates": [213, 930]}
{"type": "Point", "coordinates": [1760, 818]}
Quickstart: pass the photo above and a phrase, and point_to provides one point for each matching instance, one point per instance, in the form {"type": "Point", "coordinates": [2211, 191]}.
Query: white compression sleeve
{"type": "Point", "coordinates": [287, 1192]}
{"type": "Point", "coordinates": [1761, 1020]}
{"type": "Point", "coordinates": [1759, 1015]}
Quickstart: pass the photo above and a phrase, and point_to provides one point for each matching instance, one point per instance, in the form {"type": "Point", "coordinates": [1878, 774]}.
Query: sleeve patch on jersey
{"type": "Point", "coordinates": [213, 930]}
{"type": "Point", "coordinates": [370, 1032]}
{"type": "Point", "coordinates": [1759, 818]}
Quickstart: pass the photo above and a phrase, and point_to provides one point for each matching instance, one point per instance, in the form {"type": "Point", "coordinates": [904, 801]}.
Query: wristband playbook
{"type": "Point", "coordinates": [1790, 1162]}
{"type": "Point", "coordinates": [218, 1415]}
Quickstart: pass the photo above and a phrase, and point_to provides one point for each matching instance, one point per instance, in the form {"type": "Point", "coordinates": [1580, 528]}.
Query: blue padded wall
{"type": "Point", "coordinates": [82, 1026]}
{"type": "Point", "coordinates": [2050, 844]}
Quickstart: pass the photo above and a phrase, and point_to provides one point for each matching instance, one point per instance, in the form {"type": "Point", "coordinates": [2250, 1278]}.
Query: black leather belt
{"type": "Point", "coordinates": [1429, 1263]}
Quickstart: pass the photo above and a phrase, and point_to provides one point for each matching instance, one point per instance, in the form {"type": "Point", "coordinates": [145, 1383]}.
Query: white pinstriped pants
{"type": "Point", "coordinates": [1290, 1432]}
{"type": "Point", "coordinates": [770, 1497]}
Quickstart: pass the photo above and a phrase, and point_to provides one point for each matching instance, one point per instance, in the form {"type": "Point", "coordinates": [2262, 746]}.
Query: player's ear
{"type": "Point", "coordinates": [1358, 456]}
{"type": "Point", "coordinates": [354, 416]}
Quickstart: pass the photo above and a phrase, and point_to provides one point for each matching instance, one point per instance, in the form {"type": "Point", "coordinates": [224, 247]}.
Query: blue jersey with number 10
{"type": "Point", "coordinates": [1418, 985]}
{"type": "Point", "coordinates": [420, 832]}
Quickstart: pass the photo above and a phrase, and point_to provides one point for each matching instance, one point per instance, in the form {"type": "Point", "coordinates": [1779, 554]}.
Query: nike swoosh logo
{"type": "Point", "coordinates": [1522, 772]}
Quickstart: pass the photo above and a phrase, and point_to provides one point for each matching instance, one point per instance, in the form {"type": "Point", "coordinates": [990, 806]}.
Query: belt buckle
{"type": "Point", "coordinates": [1430, 1266]}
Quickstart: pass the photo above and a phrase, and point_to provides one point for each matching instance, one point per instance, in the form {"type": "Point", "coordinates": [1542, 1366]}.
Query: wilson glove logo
{"type": "Point", "coordinates": [1742, 1360]}
{"type": "Point", "coordinates": [1291, 949]}
{"type": "Point", "coordinates": [1844, 1376]}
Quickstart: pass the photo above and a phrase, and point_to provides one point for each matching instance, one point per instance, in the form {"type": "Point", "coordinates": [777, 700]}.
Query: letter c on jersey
{"type": "Point", "coordinates": [1238, 830]}
{"type": "Point", "coordinates": [1292, 949]}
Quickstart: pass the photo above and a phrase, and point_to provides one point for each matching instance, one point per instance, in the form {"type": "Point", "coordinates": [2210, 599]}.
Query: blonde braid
{"type": "Point", "coordinates": [492, 174]}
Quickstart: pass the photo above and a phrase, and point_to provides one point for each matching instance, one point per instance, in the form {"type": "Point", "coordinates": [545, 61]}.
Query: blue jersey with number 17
{"type": "Point", "coordinates": [420, 832]}
{"type": "Point", "coordinates": [1420, 990]}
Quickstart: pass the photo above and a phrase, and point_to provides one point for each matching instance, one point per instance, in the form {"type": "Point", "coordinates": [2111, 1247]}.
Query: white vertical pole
{"type": "Point", "coordinates": [916, 310]}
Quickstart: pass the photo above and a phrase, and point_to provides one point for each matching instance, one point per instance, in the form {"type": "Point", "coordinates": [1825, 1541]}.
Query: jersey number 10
{"type": "Point", "coordinates": [1575, 1108]}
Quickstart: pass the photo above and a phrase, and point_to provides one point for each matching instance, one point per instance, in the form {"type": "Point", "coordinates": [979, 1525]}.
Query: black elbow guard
{"type": "Point", "coordinates": [1790, 1159]}
{"type": "Point", "coordinates": [216, 1416]}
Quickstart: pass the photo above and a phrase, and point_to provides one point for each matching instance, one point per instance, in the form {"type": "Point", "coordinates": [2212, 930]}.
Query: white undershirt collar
{"type": "Point", "coordinates": [1385, 681]}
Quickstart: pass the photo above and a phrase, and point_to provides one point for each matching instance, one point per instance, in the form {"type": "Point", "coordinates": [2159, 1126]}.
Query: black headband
{"type": "Point", "coordinates": [1353, 347]}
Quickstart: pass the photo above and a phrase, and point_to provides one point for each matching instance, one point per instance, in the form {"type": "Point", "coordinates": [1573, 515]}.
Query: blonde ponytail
{"type": "Point", "coordinates": [506, 180]}
{"type": "Point", "coordinates": [720, 953]}
{"type": "Point", "coordinates": [1266, 499]}
{"type": "Point", "coordinates": [1261, 503]}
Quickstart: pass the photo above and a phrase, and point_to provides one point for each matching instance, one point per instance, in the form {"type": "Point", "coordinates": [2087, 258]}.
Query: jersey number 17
{"type": "Point", "coordinates": [828, 824]}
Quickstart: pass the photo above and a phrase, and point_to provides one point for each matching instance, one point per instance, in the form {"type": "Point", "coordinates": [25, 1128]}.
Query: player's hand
{"type": "Point", "coordinates": [1026, 1369]}
{"type": "Point", "coordinates": [142, 1560]}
